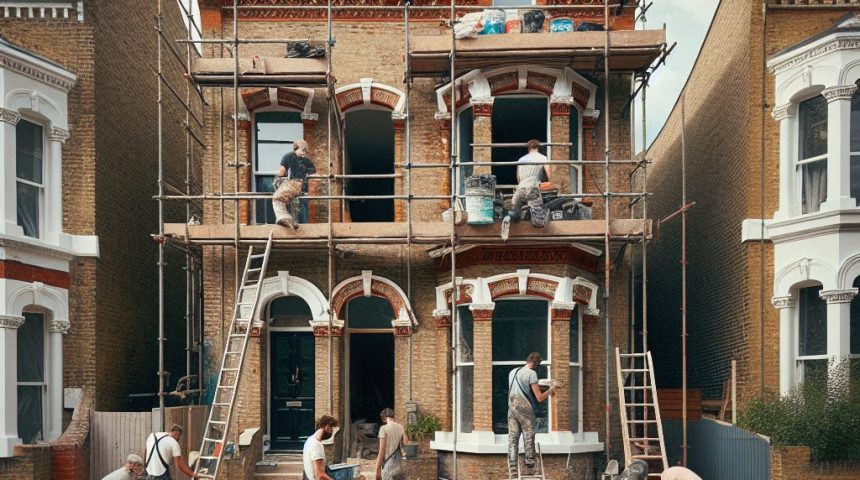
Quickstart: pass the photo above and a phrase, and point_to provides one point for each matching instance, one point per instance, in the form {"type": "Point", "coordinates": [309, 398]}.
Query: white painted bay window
{"type": "Point", "coordinates": [464, 328]}
{"type": "Point", "coordinates": [29, 164]}
{"type": "Point", "coordinates": [855, 147]}
{"type": "Point", "coordinates": [812, 153]}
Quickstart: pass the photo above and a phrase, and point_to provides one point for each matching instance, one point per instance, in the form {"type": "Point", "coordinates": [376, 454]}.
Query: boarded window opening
{"type": "Point", "coordinates": [370, 150]}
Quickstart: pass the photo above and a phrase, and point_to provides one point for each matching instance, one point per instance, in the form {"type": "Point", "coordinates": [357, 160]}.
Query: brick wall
{"type": "Point", "coordinates": [794, 462]}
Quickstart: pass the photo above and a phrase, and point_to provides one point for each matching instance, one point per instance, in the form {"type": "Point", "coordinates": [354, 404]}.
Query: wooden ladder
{"type": "Point", "coordinates": [221, 411]}
{"type": "Point", "coordinates": [641, 425]}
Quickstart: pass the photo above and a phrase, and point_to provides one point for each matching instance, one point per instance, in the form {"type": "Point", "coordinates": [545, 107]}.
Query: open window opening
{"type": "Point", "coordinates": [370, 150]}
{"type": "Point", "coordinates": [516, 119]}
{"type": "Point", "coordinates": [274, 134]}
{"type": "Point", "coordinates": [370, 350]}
{"type": "Point", "coordinates": [465, 137]}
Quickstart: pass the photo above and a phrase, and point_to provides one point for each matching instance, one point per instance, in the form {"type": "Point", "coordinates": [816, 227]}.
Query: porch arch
{"type": "Point", "coordinates": [367, 284]}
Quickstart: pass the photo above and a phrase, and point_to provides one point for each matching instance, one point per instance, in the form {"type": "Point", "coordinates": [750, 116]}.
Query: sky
{"type": "Point", "coordinates": [687, 22]}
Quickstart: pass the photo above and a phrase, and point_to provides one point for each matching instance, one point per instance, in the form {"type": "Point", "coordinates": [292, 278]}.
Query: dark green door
{"type": "Point", "coordinates": [292, 390]}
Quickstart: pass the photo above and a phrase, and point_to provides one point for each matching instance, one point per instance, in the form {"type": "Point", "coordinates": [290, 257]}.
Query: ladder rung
{"type": "Point", "coordinates": [638, 404]}
{"type": "Point", "coordinates": [254, 270]}
{"type": "Point", "coordinates": [647, 457]}
{"type": "Point", "coordinates": [205, 475]}
{"type": "Point", "coordinates": [233, 352]}
{"type": "Point", "coordinates": [641, 421]}
{"type": "Point", "coordinates": [257, 255]}
{"type": "Point", "coordinates": [213, 440]}
{"type": "Point", "coordinates": [244, 287]}
{"type": "Point", "coordinates": [229, 369]}
{"type": "Point", "coordinates": [226, 386]}
{"type": "Point", "coordinates": [218, 421]}
{"type": "Point", "coordinates": [634, 370]}
{"type": "Point", "coordinates": [214, 404]}
{"type": "Point", "coordinates": [632, 354]}
{"type": "Point", "coordinates": [637, 387]}
{"type": "Point", "coordinates": [207, 457]}
{"type": "Point", "coordinates": [233, 335]}
{"type": "Point", "coordinates": [644, 439]}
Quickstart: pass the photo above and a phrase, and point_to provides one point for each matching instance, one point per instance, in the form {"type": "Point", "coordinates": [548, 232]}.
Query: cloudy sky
{"type": "Point", "coordinates": [687, 23]}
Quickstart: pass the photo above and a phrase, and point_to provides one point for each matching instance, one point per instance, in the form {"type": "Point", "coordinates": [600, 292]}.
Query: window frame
{"type": "Point", "coordinates": [578, 364]}
{"type": "Point", "coordinates": [46, 370]}
{"type": "Point", "coordinates": [801, 163]}
{"type": "Point", "coordinates": [40, 207]}
{"type": "Point", "coordinates": [457, 366]}
{"type": "Point", "coordinates": [854, 138]}
{"type": "Point", "coordinates": [459, 187]}
{"type": "Point", "coordinates": [575, 187]}
{"type": "Point", "coordinates": [525, 94]}
{"type": "Point", "coordinates": [255, 156]}
{"type": "Point", "coordinates": [798, 358]}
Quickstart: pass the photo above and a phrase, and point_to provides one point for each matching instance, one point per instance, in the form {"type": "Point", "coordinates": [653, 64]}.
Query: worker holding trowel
{"type": "Point", "coordinates": [524, 394]}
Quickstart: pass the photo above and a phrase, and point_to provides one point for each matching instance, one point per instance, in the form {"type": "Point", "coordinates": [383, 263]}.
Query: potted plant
{"type": "Point", "coordinates": [419, 432]}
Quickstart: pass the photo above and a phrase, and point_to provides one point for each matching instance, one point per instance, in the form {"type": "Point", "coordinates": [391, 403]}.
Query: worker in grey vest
{"type": "Point", "coordinates": [524, 394]}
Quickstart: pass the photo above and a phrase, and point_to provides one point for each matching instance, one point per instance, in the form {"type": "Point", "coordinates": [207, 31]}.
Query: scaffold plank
{"type": "Point", "coordinates": [422, 232]}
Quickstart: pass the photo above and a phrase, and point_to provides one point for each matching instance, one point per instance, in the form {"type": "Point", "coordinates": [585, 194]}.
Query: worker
{"type": "Point", "coordinates": [295, 166]}
{"type": "Point", "coordinates": [637, 470]}
{"type": "Point", "coordinates": [313, 453]}
{"type": "Point", "coordinates": [531, 169]}
{"type": "Point", "coordinates": [132, 470]}
{"type": "Point", "coordinates": [163, 450]}
{"type": "Point", "coordinates": [679, 473]}
{"type": "Point", "coordinates": [392, 435]}
{"type": "Point", "coordinates": [524, 394]}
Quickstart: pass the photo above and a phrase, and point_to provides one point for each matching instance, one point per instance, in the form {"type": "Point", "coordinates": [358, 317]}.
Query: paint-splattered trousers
{"type": "Point", "coordinates": [521, 420]}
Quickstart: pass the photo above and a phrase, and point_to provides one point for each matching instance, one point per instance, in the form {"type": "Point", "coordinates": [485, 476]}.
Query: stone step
{"type": "Point", "coordinates": [267, 467]}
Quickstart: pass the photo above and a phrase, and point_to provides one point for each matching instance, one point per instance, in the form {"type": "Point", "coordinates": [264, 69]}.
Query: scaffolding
{"type": "Point", "coordinates": [328, 236]}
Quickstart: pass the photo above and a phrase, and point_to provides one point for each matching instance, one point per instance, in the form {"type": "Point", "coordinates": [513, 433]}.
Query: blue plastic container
{"type": "Point", "coordinates": [561, 24]}
{"type": "Point", "coordinates": [494, 27]}
{"type": "Point", "coordinates": [344, 471]}
{"type": "Point", "coordinates": [480, 190]}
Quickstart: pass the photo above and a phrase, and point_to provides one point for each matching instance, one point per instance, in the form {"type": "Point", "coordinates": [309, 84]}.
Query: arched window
{"type": "Point", "coordinates": [370, 151]}
{"type": "Point", "coordinates": [855, 321]}
{"type": "Point", "coordinates": [855, 146]}
{"type": "Point", "coordinates": [812, 153]}
{"type": "Point", "coordinates": [29, 165]}
{"type": "Point", "coordinates": [32, 377]}
{"type": "Point", "coordinates": [290, 311]}
{"type": "Point", "coordinates": [811, 333]}
{"type": "Point", "coordinates": [274, 134]}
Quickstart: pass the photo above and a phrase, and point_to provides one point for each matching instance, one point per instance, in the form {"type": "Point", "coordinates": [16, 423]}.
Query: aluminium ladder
{"type": "Point", "coordinates": [221, 411]}
{"type": "Point", "coordinates": [641, 425]}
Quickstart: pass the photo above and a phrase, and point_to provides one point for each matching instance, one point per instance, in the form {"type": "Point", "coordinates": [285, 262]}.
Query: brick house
{"type": "Point", "coordinates": [771, 131]}
{"type": "Point", "coordinates": [77, 185]}
{"type": "Point", "coordinates": [372, 326]}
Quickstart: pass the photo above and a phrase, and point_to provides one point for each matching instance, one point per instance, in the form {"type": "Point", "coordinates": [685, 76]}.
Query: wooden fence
{"type": "Point", "coordinates": [117, 434]}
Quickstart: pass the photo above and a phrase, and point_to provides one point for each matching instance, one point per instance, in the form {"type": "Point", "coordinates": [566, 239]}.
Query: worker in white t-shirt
{"type": "Point", "coordinates": [132, 470]}
{"type": "Point", "coordinates": [679, 473]}
{"type": "Point", "coordinates": [162, 450]}
{"type": "Point", "coordinates": [313, 454]}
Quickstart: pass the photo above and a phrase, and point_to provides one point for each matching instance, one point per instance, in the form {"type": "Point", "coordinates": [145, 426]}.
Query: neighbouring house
{"type": "Point", "coordinates": [772, 137]}
{"type": "Point", "coordinates": [77, 277]}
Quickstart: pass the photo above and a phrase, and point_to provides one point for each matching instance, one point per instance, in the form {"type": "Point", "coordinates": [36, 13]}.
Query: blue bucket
{"type": "Point", "coordinates": [480, 190]}
{"type": "Point", "coordinates": [561, 24]}
{"type": "Point", "coordinates": [344, 471]}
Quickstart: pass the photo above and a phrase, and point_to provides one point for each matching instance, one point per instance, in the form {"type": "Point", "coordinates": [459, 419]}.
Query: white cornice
{"type": "Point", "coordinates": [829, 44]}
{"type": "Point", "coordinates": [36, 68]}
{"type": "Point", "coordinates": [11, 321]}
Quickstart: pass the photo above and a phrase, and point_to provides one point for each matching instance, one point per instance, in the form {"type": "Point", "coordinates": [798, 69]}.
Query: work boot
{"type": "Point", "coordinates": [288, 221]}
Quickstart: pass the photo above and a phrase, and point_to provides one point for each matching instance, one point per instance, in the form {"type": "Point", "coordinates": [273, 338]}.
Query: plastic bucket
{"type": "Point", "coordinates": [344, 471]}
{"type": "Point", "coordinates": [561, 24]}
{"type": "Point", "coordinates": [480, 190]}
{"type": "Point", "coordinates": [533, 21]}
{"type": "Point", "coordinates": [494, 27]}
{"type": "Point", "coordinates": [513, 26]}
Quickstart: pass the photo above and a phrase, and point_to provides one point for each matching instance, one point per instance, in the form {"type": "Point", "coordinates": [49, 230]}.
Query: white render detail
{"type": "Point", "coordinates": [817, 249]}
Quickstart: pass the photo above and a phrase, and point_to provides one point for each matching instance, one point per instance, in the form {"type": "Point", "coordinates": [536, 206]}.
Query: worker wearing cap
{"type": "Point", "coordinates": [132, 470]}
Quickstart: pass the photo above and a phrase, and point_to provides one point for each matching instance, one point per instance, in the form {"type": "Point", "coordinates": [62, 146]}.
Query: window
{"type": "Point", "coordinates": [519, 328]}
{"type": "Point", "coordinates": [812, 158]}
{"type": "Point", "coordinates": [855, 321]}
{"type": "Point", "coordinates": [855, 147]}
{"type": "Point", "coordinates": [575, 379]}
{"type": "Point", "coordinates": [29, 153]}
{"type": "Point", "coordinates": [290, 311]}
{"type": "Point", "coordinates": [32, 384]}
{"type": "Point", "coordinates": [517, 119]}
{"type": "Point", "coordinates": [465, 366]}
{"type": "Point", "coordinates": [274, 135]}
{"type": "Point", "coordinates": [812, 334]}
{"type": "Point", "coordinates": [369, 145]}
{"type": "Point", "coordinates": [465, 134]}
{"type": "Point", "coordinates": [574, 149]}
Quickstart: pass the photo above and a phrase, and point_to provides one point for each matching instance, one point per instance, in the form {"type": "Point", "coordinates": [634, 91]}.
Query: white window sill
{"type": "Point", "coordinates": [489, 443]}
{"type": "Point", "coordinates": [801, 226]}
{"type": "Point", "coordinates": [68, 245]}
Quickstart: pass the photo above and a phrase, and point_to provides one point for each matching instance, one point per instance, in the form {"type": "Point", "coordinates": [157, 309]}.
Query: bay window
{"type": "Point", "coordinates": [29, 159]}
{"type": "Point", "coordinates": [812, 153]}
{"type": "Point", "coordinates": [464, 329]}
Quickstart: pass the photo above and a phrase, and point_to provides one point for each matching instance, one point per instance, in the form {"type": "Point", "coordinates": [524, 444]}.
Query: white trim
{"type": "Point", "coordinates": [366, 85]}
{"type": "Point", "coordinates": [283, 284]}
{"type": "Point", "coordinates": [410, 315]}
{"type": "Point", "coordinates": [29, 65]}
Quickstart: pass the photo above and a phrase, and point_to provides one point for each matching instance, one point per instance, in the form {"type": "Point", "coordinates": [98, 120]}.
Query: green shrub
{"type": "Point", "coordinates": [822, 413]}
{"type": "Point", "coordinates": [425, 428]}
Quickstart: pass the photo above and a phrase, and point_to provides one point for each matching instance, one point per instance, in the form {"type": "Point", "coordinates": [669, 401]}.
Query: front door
{"type": "Point", "coordinates": [292, 390]}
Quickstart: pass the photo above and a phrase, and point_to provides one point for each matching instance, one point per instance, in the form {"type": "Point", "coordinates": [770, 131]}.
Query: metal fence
{"type": "Point", "coordinates": [718, 450]}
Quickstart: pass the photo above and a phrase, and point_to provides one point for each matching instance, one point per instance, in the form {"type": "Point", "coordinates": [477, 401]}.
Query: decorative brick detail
{"type": "Point", "coordinates": [9, 116]}
{"type": "Point", "coordinates": [292, 98]}
{"type": "Point", "coordinates": [549, 255]}
{"type": "Point", "coordinates": [581, 294]}
{"type": "Point", "coordinates": [320, 331]}
{"type": "Point", "coordinates": [535, 286]}
{"type": "Point", "coordinates": [559, 109]}
{"type": "Point", "coordinates": [402, 331]}
{"type": "Point", "coordinates": [255, 99]}
{"type": "Point", "coordinates": [28, 273]}
{"type": "Point", "coordinates": [384, 98]}
{"type": "Point", "coordinates": [349, 98]}
{"type": "Point", "coordinates": [378, 288]}
{"type": "Point", "coordinates": [442, 321]}
{"type": "Point", "coordinates": [482, 315]}
{"type": "Point", "coordinates": [541, 82]}
{"type": "Point", "coordinates": [504, 82]}
{"type": "Point", "coordinates": [482, 108]}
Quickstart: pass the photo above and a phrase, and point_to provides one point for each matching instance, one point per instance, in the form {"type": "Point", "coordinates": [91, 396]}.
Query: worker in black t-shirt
{"type": "Point", "coordinates": [295, 165]}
